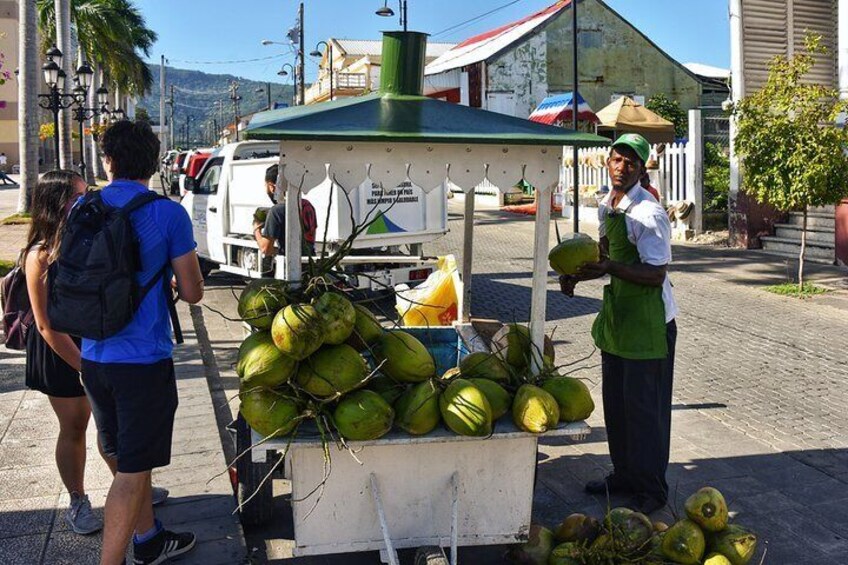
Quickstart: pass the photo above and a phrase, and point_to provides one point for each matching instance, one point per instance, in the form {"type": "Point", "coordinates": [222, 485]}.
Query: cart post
{"type": "Point", "coordinates": [384, 527]}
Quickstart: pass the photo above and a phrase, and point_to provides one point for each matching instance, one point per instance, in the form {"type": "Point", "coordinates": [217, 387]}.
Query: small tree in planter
{"type": "Point", "coordinates": [792, 155]}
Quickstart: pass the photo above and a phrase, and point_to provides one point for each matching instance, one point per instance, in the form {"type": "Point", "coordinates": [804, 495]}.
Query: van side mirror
{"type": "Point", "coordinates": [190, 184]}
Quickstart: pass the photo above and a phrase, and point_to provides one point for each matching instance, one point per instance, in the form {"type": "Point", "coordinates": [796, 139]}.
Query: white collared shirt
{"type": "Point", "coordinates": [649, 229]}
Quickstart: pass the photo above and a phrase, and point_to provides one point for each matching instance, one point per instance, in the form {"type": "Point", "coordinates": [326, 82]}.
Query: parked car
{"type": "Point", "coordinates": [193, 164]}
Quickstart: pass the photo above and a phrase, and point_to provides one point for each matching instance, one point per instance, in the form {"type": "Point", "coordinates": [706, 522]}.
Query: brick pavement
{"type": "Point", "coordinates": [760, 394]}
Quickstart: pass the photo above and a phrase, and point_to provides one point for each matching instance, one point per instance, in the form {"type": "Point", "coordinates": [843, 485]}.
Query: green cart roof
{"type": "Point", "coordinates": [408, 118]}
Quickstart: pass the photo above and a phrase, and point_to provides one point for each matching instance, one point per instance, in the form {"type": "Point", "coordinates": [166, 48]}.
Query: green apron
{"type": "Point", "coordinates": [631, 323]}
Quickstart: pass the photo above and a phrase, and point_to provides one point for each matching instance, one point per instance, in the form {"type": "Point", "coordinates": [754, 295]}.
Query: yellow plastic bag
{"type": "Point", "coordinates": [434, 302]}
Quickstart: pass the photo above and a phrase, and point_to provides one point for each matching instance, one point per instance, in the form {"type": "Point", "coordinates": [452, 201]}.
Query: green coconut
{"type": "Point", "coordinates": [386, 387]}
{"type": "Point", "coordinates": [260, 301]}
{"type": "Point", "coordinates": [569, 553]}
{"type": "Point", "coordinates": [261, 364]}
{"type": "Point", "coordinates": [573, 396]}
{"type": "Point", "coordinates": [499, 399]}
{"type": "Point", "coordinates": [632, 532]}
{"type": "Point", "coordinates": [708, 509]}
{"type": "Point", "coordinates": [534, 410]}
{"type": "Point", "coordinates": [404, 358]}
{"type": "Point", "coordinates": [484, 365]}
{"type": "Point", "coordinates": [366, 330]}
{"type": "Point", "coordinates": [417, 409]}
{"type": "Point", "coordinates": [736, 543]}
{"type": "Point", "coordinates": [684, 543]}
{"type": "Point", "coordinates": [716, 559]}
{"type": "Point", "coordinates": [333, 369]}
{"type": "Point", "coordinates": [513, 344]}
{"type": "Point", "coordinates": [363, 415]}
{"type": "Point", "coordinates": [339, 317]}
{"type": "Point", "coordinates": [578, 528]}
{"type": "Point", "coordinates": [269, 412]}
{"type": "Point", "coordinates": [574, 251]}
{"type": "Point", "coordinates": [536, 550]}
{"type": "Point", "coordinates": [298, 331]}
{"type": "Point", "coordinates": [465, 409]}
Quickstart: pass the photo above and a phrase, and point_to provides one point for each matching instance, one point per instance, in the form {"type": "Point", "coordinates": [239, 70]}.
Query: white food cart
{"type": "Point", "coordinates": [440, 489]}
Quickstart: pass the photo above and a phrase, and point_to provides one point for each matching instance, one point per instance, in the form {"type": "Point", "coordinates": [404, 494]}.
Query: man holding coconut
{"type": "Point", "coordinates": [635, 330]}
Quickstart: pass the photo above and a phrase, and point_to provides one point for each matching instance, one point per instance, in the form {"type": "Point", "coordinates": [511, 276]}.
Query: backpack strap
{"type": "Point", "coordinates": [139, 201]}
{"type": "Point", "coordinates": [133, 205]}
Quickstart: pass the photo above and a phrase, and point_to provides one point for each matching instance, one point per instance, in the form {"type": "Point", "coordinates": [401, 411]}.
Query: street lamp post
{"type": "Point", "coordinates": [318, 53]}
{"type": "Point", "coordinates": [57, 99]}
{"type": "Point", "coordinates": [387, 12]}
{"type": "Point", "coordinates": [267, 91]}
{"type": "Point", "coordinates": [81, 113]}
{"type": "Point", "coordinates": [283, 72]}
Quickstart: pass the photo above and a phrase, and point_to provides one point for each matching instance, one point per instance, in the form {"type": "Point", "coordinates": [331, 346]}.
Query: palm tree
{"type": "Point", "coordinates": [62, 9]}
{"type": "Point", "coordinates": [112, 35]}
{"type": "Point", "coordinates": [28, 81]}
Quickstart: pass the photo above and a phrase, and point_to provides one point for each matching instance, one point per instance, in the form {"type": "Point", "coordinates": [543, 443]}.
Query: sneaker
{"type": "Point", "coordinates": [163, 546]}
{"type": "Point", "coordinates": [159, 495]}
{"type": "Point", "coordinates": [80, 517]}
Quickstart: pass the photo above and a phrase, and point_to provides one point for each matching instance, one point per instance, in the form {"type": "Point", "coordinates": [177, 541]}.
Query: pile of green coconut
{"type": "Point", "coordinates": [319, 356]}
{"type": "Point", "coordinates": [704, 536]}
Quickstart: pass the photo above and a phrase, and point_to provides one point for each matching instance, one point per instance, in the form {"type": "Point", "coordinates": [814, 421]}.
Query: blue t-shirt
{"type": "Point", "coordinates": [164, 231]}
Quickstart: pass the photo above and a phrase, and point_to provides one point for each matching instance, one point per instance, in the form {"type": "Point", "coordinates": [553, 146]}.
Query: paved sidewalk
{"type": "Point", "coordinates": [32, 498]}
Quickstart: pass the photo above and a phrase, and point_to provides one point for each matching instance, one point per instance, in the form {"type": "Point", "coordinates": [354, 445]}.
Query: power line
{"type": "Point", "coordinates": [202, 92]}
{"type": "Point", "coordinates": [474, 19]}
{"type": "Point", "coordinates": [277, 56]}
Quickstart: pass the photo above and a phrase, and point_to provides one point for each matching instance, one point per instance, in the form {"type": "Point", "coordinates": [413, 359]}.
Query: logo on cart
{"type": "Point", "coordinates": [382, 224]}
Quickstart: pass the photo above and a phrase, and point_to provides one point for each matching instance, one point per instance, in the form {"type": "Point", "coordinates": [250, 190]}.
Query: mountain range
{"type": "Point", "coordinates": [196, 95]}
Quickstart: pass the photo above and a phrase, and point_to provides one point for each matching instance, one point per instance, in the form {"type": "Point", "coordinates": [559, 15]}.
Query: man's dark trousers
{"type": "Point", "coordinates": [637, 414]}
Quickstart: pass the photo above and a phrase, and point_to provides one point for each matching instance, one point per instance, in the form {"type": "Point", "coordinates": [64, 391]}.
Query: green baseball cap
{"type": "Point", "coordinates": [637, 143]}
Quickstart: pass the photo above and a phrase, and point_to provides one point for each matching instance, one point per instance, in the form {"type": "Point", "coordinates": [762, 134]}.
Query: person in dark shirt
{"type": "Point", "coordinates": [274, 227]}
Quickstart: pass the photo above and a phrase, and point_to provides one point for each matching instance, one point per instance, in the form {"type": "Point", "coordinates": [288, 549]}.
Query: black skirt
{"type": "Point", "coordinates": [47, 372]}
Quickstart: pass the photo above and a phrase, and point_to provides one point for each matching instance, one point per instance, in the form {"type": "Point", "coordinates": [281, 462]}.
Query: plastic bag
{"type": "Point", "coordinates": [435, 302]}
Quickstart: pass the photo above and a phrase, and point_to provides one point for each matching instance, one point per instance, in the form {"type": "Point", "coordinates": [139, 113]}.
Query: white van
{"type": "Point", "coordinates": [223, 200]}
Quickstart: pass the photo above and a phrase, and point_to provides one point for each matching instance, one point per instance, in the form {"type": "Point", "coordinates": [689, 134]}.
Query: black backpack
{"type": "Point", "coordinates": [92, 287]}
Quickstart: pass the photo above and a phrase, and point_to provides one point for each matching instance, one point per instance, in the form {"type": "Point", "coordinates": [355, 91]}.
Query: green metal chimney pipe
{"type": "Point", "coordinates": [402, 67]}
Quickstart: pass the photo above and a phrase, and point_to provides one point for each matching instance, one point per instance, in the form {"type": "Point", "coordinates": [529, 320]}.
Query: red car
{"type": "Point", "coordinates": [192, 168]}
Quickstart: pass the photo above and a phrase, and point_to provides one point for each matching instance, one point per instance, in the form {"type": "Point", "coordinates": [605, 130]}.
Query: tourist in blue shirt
{"type": "Point", "coordinates": [129, 377]}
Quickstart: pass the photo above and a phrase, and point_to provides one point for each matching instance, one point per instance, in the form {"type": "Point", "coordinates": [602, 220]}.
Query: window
{"type": "Point", "coordinates": [211, 177]}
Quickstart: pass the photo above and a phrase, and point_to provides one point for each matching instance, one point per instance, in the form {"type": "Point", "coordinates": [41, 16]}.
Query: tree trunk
{"type": "Point", "coordinates": [803, 250]}
{"type": "Point", "coordinates": [27, 101]}
{"type": "Point", "coordinates": [91, 159]}
{"type": "Point", "coordinates": [63, 40]}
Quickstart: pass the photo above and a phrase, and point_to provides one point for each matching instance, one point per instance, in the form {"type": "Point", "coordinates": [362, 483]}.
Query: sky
{"type": "Point", "coordinates": [224, 36]}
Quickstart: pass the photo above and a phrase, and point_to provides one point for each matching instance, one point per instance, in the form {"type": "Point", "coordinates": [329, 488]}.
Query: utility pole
{"type": "Point", "coordinates": [302, 71]}
{"type": "Point", "coordinates": [188, 130]}
{"type": "Point", "coordinates": [235, 98]}
{"type": "Point", "coordinates": [268, 85]}
{"type": "Point", "coordinates": [171, 132]}
{"type": "Point", "coordinates": [574, 106]}
{"type": "Point", "coordinates": [163, 122]}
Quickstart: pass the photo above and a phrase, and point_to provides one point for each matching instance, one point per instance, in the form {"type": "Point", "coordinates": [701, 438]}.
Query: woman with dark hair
{"type": "Point", "coordinates": [53, 358]}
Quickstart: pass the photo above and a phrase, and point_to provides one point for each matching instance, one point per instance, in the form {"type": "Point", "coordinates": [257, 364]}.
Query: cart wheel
{"type": "Point", "coordinates": [260, 509]}
{"type": "Point", "coordinates": [431, 555]}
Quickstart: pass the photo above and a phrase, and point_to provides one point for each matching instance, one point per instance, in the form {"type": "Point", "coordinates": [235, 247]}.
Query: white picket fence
{"type": "Point", "coordinates": [679, 176]}
{"type": "Point", "coordinates": [670, 179]}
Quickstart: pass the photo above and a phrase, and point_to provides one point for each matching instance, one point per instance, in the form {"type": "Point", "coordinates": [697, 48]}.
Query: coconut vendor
{"type": "Point", "coordinates": [635, 330]}
{"type": "Point", "coordinates": [273, 229]}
